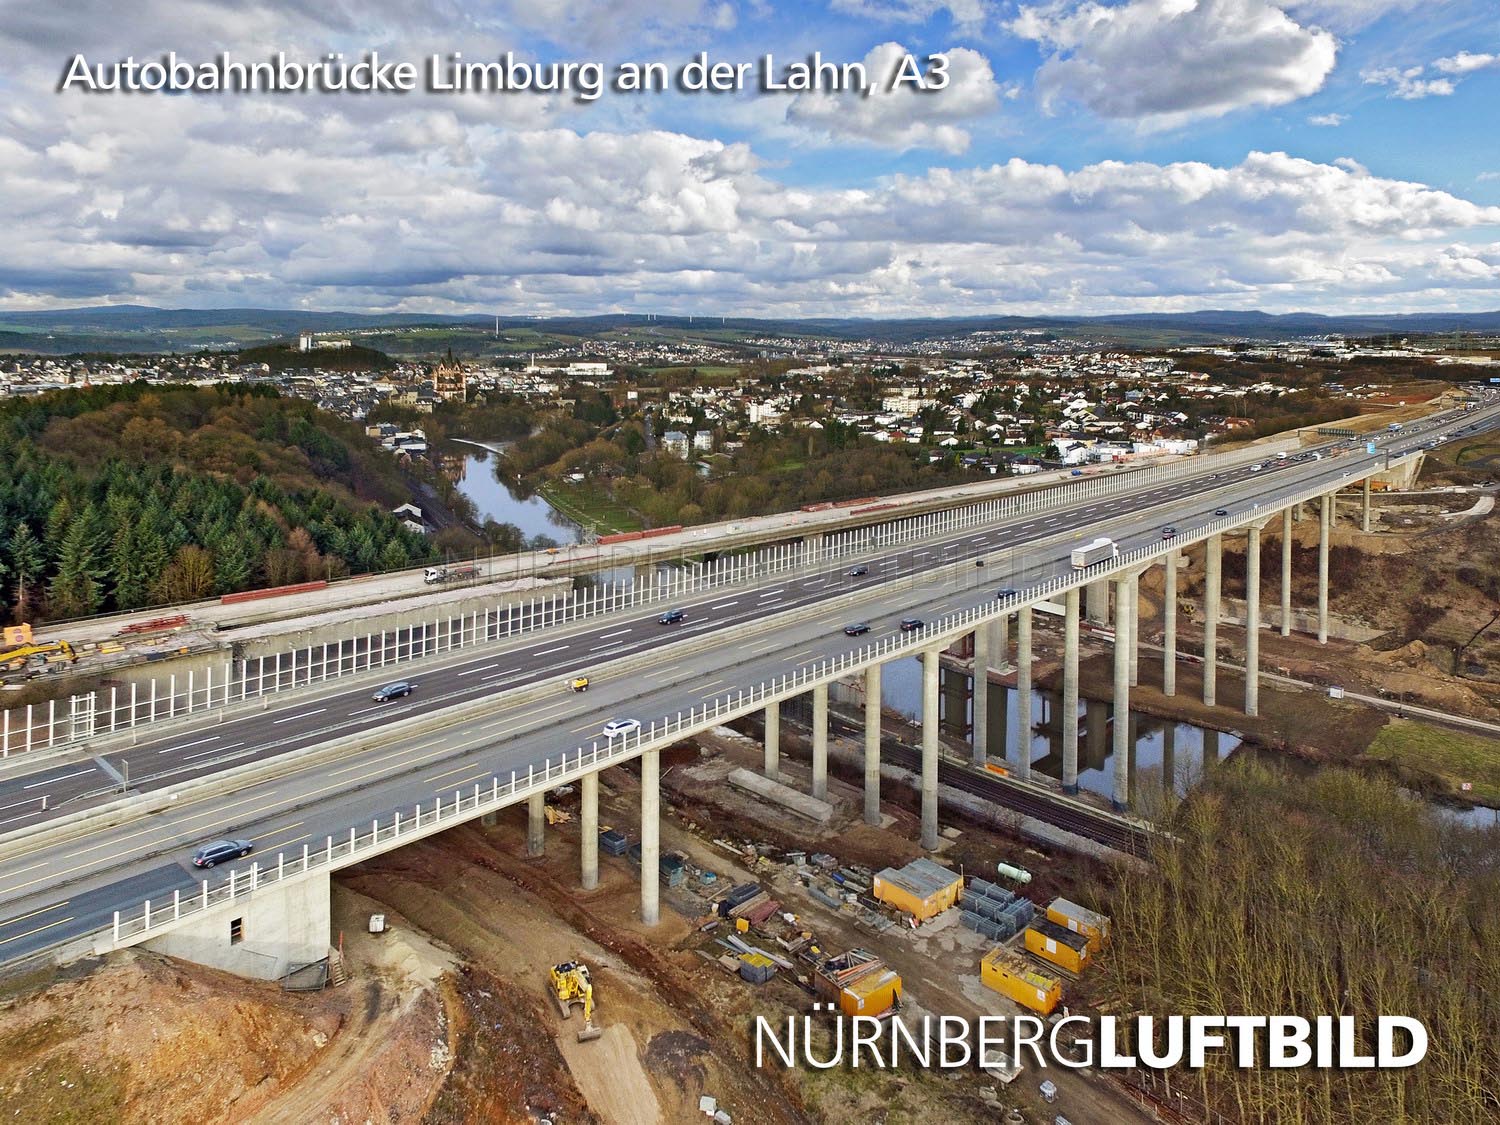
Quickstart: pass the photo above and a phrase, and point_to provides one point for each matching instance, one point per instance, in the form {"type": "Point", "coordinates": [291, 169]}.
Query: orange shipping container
{"type": "Point", "coordinates": [1011, 976]}
{"type": "Point", "coordinates": [871, 995]}
{"type": "Point", "coordinates": [1061, 947]}
{"type": "Point", "coordinates": [922, 888]}
{"type": "Point", "coordinates": [1080, 919]}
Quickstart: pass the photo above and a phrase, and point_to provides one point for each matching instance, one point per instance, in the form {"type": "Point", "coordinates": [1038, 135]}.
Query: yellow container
{"type": "Point", "coordinates": [1080, 919]}
{"type": "Point", "coordinates": [1063, 948]}
{"type": "Point", "coordinates": [922, 888]}
{"type": "Point", "coordinates": [871, 995]}
{"type": "Point", "coordinates": [1011, 976]}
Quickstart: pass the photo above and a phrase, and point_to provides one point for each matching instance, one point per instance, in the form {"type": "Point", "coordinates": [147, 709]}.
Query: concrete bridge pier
{"type": "Point", "coordinates": [1169, 629]}
{"type": "Point", "coordinates": [1124, 646]}
{"type": "Point", "coordinates": [1364, 517]}
{"type": "Point", "coordinates": [820, 742]}
{"type": "Point", "coordinates": [773, 741]}
{"type": "Point", "coordinates": [872, 745]}
{"type": "Point", "coordinates": [1070, 692]}
{"type": "Point", "coordinates": [1325, 518]}
{"type": "Point", "coordinates": [981, 695]}
{"type": "Point", "coordinates": [1252, 620]}
{"type": "Point", "coordinates": [588, 830]}
{"type": "Point", "coordinates": [1096, 603]}
{"type": "Point", "coordinates": [930, 668]}
{"type": "Point", "coordinates": [1286, 572]}
{"type": "Point", "coordinates": [1000, 641]}
{"type": "Point", "coordinates": [1212, 583]}
{"type": "Point", "coordinates": [536, 824]}
{"type": "Point", "coordinates": [650, 837]}
{"type": "Point", "coordinates": [1023, 694]}
{"type": "Point", "coordinates": [1135, 629]}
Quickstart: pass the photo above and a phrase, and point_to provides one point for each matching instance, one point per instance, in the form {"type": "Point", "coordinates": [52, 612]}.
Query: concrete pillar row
{"type": "Point", "coordinates": [930, 667]}
{"type": "Point", "coordinates": [1169, 629]}
{"type": "Point", "coordinates": [872, 745]}
{"type": "Point", "coordinates": [1023, 693]}
{"type": "Point", "coordinates": [773, 741]}
{"type": "Point", "coordinates": [536, 824]}
{"type": "Point", "coordinates": [650, 837]}
{"type": "Point", "coordinates": [1123, 646]}
{"type": "Point", "coordinates": [1325, 519]}
{"type": "Point", "coordinates": [1000, 641]}
{"type": "Point", "coordinates": [1070, 692]}
{"type": "Point", "coordinates": [1364, 519]}
{"type": "Point", "coordinates": [1252, 621]}
{"type": "Point", "coordinates": [1096, 601]}
{"type": "Point", "coordinates": [588, 830]}
{"type": "Point", "coordinates": [1212, 585]}
{"type": "Point", "coordinates": [1286, 572]}
{"type": "Point", "coordinates": [981, 694]}
{"type": "Point", "coordinates": [820, 742]}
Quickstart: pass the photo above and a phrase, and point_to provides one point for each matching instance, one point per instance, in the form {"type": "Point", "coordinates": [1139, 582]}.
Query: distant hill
{"type": "Point", "coordinates": [142, 328]}
{"type": "Point", "coordinates": [280, 357]}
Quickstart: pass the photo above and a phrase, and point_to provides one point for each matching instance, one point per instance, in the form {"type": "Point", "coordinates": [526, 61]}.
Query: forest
{"type": "Point", "coordinates": [125, 496]}
{"type": "Point", "coordinates": [1332, 895]}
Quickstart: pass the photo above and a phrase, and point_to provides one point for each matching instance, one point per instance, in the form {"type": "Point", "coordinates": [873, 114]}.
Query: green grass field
{"type": "Point", "coordinates": [1445, 758]}
{"type": "Point", "coordinates": [590, 507]}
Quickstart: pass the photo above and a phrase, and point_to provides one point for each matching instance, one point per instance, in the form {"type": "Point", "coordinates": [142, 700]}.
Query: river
{"type": "Point", "coordinates": [473, 472]}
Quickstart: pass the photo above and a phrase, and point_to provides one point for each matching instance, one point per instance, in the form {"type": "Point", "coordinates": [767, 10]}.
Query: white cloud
{"type": "Point", "coordinates": [1407, 84]}
{"type": "Point", "coordinates": [967, 14]}
{"type": "Point", "coordinates": [1413, 82]}
{"type": "Point", "coordinates": [1162, 63]}
{"type": "Point", "coordinates": [903, 118]}
{"type": "Point", "coordinates": [1328, 120]}
{"type": "Point", "coordinates": [1465, 62]}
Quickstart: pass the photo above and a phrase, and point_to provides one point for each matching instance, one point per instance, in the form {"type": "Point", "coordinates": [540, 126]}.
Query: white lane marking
{"type": "Point", "coordinates": [215, 750]}
{"type": "Point", "coordinates": [549, 651]}
{"type": "Point", "coordinates": [304, 715]}
{"type": "Point", "coordinates": [185, 745]}
{"type": "Point", "coordinates": [721, 605]}
{"type": "Point", "coordinates": [481, 668]}
{"type": "Point", "coordinates": [773, 593]}
{"type": "Point", "coordinates": [53, 780]}
{"type": "Point", "coordinates": [29, 803]}
{"type": "Point", "coordinates": [616, 633]}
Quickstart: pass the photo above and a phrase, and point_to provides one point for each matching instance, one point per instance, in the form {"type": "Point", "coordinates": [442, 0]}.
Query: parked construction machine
{"type": "Point", "coordinates": [571, 984]}
{"type": "Point", "coordinates": [44, 652]}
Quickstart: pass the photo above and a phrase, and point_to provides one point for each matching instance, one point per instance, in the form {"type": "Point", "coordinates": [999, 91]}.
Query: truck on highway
{"type": "Point", "coordinates": [1394, 428]}
{"type": "Point", "coordinates": [435, 574]}
{"type": "Point", "coordinates": [1095, 552]}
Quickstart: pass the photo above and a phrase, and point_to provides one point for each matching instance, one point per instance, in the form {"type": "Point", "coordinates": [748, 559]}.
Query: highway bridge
{"type": "Point", "coordinates": [96, 829]}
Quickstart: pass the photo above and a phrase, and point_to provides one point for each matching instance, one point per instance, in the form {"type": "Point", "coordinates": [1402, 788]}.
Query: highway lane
{"type": "Point", "coordinates": [310, 716]}
{"type": "Point", "coordinates": [106, 873]}
{"type": "Point", "coordinates": [306, 809]}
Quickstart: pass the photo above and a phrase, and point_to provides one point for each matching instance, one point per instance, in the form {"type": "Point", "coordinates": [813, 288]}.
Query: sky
{"type": "Point", "coordinates": [1083, 157]}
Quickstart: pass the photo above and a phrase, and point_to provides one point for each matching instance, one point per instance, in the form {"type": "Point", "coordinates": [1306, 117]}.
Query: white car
{"type": "Point", "coordinates": [617, 727]}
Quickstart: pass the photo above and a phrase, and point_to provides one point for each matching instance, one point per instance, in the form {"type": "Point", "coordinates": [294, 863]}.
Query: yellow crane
{"type": "Point", "coordinates": [571, 984]}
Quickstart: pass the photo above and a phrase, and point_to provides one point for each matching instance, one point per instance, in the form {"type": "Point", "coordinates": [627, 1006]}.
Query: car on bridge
{"type": "Point", "coordinates": [912, 624]}
{"type": "Point", "coordinates": [393, 691]}
{"type": "Point", "coordinates": [221, 851]}
{"type": "Point", "coordinates": [617, 728]}
{"type": "Point", "coordinates": [1221, 511]}
{"type": "Point", "coordinates": [1169, 532]}
{"type": "Point", "coordinates": [672, 617]}
{"type": "Point", "coordinates": [858, 629]}
{"type": "Point", "coordinates": [1008, 592]}
{"type": "Point", "coordinates": [859, 571]}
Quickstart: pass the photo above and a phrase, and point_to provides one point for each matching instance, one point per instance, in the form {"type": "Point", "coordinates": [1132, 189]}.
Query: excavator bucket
{"type": "Point", "coordinates": [589, 1033]}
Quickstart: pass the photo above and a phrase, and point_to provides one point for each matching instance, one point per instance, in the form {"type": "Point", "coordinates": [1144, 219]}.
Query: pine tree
{"type": "Point", "coordinates": [27, 562]}
{"type": "Point", "coordinates": [75, 589]}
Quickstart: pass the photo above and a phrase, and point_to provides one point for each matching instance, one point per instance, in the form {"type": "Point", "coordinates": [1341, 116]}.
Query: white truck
{"type": "Point", "coordinates": [1095, 552]}
{"type": "Point", "coordinates": [435, 574]}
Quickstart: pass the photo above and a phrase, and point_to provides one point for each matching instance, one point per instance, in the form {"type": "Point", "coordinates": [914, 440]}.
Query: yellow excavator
{"type": "Point", "coordinates": [14, 659]}
{"type": "Point", "coordinates": [571, 984]}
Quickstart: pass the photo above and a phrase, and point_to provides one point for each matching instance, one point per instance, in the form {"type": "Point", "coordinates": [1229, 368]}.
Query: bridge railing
{"type": "Point", "coordinates": [119, 708]}
{"type": "Point", "coordinates": [441, 812]}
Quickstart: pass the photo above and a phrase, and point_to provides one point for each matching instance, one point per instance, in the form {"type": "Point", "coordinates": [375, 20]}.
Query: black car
{"type": "Point", "coordinates": [859, 571]}
{"type": "Point", "coordinates": [1221, 511]}
{"type": "Point", "coordinates": [393, 691]}
{"type": "Point", "coordinates": [911, 624]}
{"type": "Point", "coordinates": [1008, 592]}
{"type": "Point", "coordinates": [1169, 533]}
{"type": "Point", "coordinates": [859, 628]}
{"type": "Point", "coordinates": [221, 851]}
{"type": "Point", "coordinates": [672, 617]}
